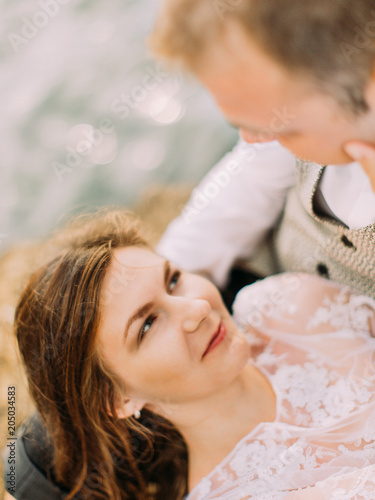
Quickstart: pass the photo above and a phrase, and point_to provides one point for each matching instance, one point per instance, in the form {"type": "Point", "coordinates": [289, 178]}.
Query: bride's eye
{"type": "Point", "coordinates": [174, 280]}
{"type": "Point", "coordinates": [150, 319]}
{"type": "Point", "coordinates": [145, 327]}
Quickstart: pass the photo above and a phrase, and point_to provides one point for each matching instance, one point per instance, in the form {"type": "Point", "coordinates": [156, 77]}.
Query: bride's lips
{"type": "Point", "coordinates": [216, 338]}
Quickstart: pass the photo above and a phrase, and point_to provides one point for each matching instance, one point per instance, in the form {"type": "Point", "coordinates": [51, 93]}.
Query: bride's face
{"type": "Point", "coordinates": [158, 327]}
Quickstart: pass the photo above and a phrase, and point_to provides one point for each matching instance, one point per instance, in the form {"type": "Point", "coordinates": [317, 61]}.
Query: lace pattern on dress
{"type": "Point", "coordinates": [324, 380]}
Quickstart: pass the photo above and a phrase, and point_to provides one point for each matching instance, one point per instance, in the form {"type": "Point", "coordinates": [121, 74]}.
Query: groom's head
{"type": "Point", "coordinates": [300, 71]}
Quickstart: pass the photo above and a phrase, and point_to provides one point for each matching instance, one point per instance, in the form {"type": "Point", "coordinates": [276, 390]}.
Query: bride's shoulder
{"type": "Point", "coordinates": [292, 296]}
{"type": "Point", "coordinates": [293, 280]}
{"type": "Point", "coordinates": [284, 285]}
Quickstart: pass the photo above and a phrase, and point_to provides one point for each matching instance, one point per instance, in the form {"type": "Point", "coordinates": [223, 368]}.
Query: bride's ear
{"type": "Point", "coordinates": [125, 407]}
{"type": "Point", "coordinates": [128, 408]}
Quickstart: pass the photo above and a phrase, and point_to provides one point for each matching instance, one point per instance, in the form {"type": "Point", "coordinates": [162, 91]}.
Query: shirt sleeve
{"type": "Point", "coordinates": [231, 210]}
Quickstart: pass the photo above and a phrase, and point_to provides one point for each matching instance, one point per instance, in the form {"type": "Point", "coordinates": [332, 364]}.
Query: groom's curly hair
{"type": "Point", "coordinates": [330, 41]}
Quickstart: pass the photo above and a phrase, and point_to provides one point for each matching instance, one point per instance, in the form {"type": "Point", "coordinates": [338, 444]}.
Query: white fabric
{"type": "Point", "coordinates": [242, 198]}
{"type": "Point", "coordinates": [347, 191]}
{"type": "Point", "coordinates": [311, 339]}
{"type": "Point", "coordinates": [213, 231]}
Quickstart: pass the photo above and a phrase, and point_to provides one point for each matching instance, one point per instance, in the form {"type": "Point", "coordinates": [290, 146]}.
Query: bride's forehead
{"type": "Point", "coordinates": [136, 257]}
{"type": "Point", "coordinates": [132, 270]}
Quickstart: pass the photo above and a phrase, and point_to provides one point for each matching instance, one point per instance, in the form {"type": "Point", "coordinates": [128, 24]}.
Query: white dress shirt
{"type": "Point", "coordinates": [242, 198]}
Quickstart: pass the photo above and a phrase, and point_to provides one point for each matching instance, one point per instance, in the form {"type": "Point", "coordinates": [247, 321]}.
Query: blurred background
{"type": "Point", "coordinates": [89, 118]}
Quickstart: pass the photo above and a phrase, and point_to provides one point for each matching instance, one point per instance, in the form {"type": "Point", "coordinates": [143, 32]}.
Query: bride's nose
{"type": "Point", "coordinates": [195, 312]}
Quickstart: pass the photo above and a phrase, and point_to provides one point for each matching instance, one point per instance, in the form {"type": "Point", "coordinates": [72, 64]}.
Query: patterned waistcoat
{"type": "Point", "coordinates": [306, 241]}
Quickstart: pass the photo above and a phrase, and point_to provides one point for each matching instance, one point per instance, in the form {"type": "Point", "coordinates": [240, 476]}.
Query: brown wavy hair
{"type": "Point", "coordinates": [96, 455]}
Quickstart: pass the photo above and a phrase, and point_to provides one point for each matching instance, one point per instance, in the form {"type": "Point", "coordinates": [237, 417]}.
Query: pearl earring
{"type": "Point", "coordinates": [137, 414]}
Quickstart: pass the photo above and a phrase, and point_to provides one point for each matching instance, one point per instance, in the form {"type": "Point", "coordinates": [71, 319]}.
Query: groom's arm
{"type": "Point", "coordinates": [231, 211]}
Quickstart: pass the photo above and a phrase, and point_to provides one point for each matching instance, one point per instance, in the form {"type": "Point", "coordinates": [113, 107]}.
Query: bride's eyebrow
{"type": "Point", "coordinates": [145, 309]}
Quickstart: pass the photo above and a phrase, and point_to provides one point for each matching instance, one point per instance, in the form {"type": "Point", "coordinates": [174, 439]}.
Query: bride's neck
{"type": "Point", "coordinates": [217, 425]}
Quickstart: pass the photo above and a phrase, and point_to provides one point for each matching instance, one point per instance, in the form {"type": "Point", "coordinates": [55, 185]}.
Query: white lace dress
{"type": "Point", "coordinates": [312, 340]}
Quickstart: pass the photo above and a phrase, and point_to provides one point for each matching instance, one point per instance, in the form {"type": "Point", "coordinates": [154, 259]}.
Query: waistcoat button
{"type": "Point", "coordinates": [347, 242]}
{"type": "Point", "coordinates": [322, 270]}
